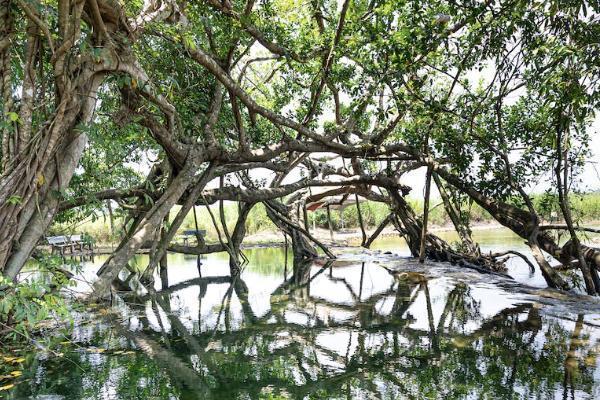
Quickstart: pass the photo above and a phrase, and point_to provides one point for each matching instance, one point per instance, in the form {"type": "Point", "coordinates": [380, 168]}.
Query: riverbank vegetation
{"type": "Point", "coordinates": [96, 223]}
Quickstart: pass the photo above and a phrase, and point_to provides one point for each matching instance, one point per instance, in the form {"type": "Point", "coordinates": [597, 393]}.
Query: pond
{"type": "Point", "coordinates": [370, 325]}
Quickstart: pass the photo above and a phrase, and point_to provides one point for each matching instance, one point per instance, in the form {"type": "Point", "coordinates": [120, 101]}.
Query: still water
{"type": "Point", "coordinates": [369, 326]}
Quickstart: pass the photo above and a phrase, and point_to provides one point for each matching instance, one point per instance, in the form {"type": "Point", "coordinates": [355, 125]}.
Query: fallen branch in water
{"type": "Point", "coordinates": [515, 253]}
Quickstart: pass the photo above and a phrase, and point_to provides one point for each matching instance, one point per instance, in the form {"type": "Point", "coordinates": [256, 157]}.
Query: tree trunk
{"type": "Point", "coordinates": [163, 265]}
{"type": "Point", "coordinates": [239, 231]}
{"type": "Point", "coordinates": [42, 150]}
{"type": "Point", "coordinates": [144, 231]}
{"type": "Point", "coordinates": [26, 222]}
{"type": "Point", "coordinates": [590, 277]}
{"type": "Point", "coordinates": [425, 216]}
{"type": "Point", "coordinates": [378, 231]}
{"type": "Point", "coordinates": [523, 224]}
{"type": "Point", "coordinates": [301, 247]}
{"type": "Point", "coordinates": [329, 223]}
{"type": "Point", "coordinates": [464, 233]}
{"type": "Point", "coordinates": [36, 219]}
{"type": "Point", "coordinates": [360, 221]}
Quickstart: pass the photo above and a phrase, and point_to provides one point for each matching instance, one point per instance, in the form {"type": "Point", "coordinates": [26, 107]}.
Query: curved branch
{"type": "Point", "coordinates": [109, 194]}
{"type": "Point", "coordinates": [515, 253]}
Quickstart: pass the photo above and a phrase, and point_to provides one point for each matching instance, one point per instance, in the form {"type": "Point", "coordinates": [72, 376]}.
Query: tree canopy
{"type": "Point", "coordinates": [491, 97]}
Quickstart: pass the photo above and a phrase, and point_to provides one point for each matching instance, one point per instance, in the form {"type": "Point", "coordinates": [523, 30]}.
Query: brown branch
{"type": "Point", "coordinates": [300, 229]}
{"type": "Point", "coordinates": [31, 14]}
{"type": "Point", "coordinates": [214, 68]}
{"type": "Point", "coordinates": [255, 32]}
{"type": "Point", "coordinates": [378, 231]}
{"type": "Point", "coordinates": [565, 227]}
{"type": "Point", "coordinates": [515, 253]}
{"type": "Point", "coordinates": [109, 194]}
{"type": "Point", "coordinates": [327, 63]}
{"type": "Point", "coordinates": [98, 21]}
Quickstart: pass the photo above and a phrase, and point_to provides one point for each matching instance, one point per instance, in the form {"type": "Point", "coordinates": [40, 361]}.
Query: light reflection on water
{"type": "Point", "coordinates": [363, 327]}
{"type": "Point", "coordinates": [490, 240]}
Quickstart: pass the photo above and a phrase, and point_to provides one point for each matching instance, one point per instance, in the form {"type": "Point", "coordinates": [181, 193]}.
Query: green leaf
{"type": "Point", "coordinates": [13, 116]}
{"type": "Point", "coordinates": [14, 199]}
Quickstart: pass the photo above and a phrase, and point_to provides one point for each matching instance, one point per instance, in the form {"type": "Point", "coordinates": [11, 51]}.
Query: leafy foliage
{"type": "Point", "coordinates": [26, 306]}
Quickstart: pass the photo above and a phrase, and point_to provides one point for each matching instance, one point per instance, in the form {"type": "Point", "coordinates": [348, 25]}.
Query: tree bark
{"type": "Point", "coordinates": [425, 215]}
{"type": "Point", "coordinates": [329, 223]}
{"type": "Point", "coordinates": [360, 221]}
{"type": "Point", "coordinates": [590, 276]}
{"type": "Point", "coordinates": [463, 231]}
{"type": "Point", "coordinates": [145, 230]}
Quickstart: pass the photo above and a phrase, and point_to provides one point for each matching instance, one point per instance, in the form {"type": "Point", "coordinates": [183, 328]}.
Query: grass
{"type": "Point", "coordinates": [586, 208]}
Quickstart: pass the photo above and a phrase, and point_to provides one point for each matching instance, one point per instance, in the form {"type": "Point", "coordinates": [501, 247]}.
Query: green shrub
{"type": "Point", "coordinates": [26, 304]}
{"type": "Point", "coordinates": [585, 208]}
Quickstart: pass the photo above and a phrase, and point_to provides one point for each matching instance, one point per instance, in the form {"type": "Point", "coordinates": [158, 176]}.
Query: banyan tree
{"type": "Point", "coordinates": [486, 98]}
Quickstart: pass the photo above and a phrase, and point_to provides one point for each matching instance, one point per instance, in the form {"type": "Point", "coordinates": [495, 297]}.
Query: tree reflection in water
{"type": "Point", "coordinates": [327, 331]}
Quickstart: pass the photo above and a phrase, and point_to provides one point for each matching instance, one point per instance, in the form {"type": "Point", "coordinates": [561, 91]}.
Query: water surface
{"type": "Point", "coordinates": [368, 326]}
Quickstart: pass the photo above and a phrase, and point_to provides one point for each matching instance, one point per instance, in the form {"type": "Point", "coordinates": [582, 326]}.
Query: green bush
{"type": "Point", "coordinates": [257, 219]}
{"type": "Point", "coordinates": [26, 304]}
{"type": "Point", "coordinates": [585, 208]}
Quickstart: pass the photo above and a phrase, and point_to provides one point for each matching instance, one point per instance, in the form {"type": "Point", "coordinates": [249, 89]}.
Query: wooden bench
{"type": "Point", "coordinates": [198, 234]}
{"type": "Point", "coordinates": [60, 243]}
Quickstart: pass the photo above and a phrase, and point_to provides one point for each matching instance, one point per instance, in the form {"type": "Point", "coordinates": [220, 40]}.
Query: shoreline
{"type": "Point", "coordinates": [341, 238]}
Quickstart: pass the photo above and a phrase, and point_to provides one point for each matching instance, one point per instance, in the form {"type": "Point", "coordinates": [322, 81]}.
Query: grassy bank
{"type": "Point", "coordinates": [586, 208]}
